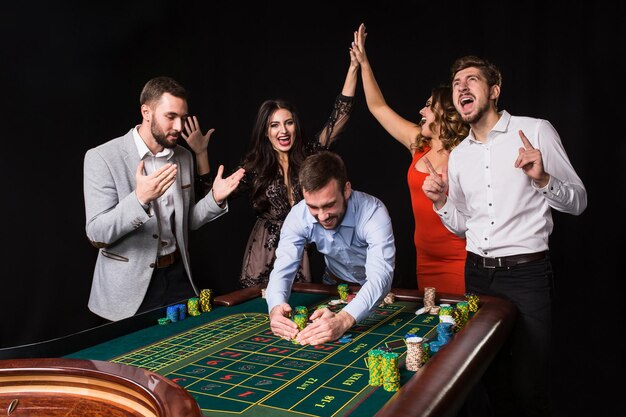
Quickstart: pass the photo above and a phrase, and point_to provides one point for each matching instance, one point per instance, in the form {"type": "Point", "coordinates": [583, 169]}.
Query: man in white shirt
{"type": "Point", "coordinates": [498, 191]}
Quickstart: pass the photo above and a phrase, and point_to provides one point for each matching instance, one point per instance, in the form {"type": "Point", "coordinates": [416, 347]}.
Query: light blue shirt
{"type": "Point", "coordinates": [361, 250]}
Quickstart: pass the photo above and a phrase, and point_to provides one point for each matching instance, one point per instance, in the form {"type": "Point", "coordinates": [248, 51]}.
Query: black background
{"type": "Point", "coordinates": [72, 75]}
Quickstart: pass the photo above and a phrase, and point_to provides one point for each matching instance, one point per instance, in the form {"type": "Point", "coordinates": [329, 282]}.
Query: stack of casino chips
{"type": "Point", "coordinates": [193, 306]}
{"type": "Point", "coordinates": [301, 310]}
{"type": "Point", "coordinates": [460, 315]}
{"type": "Point", "coordinates": [374, 363]}
{"type": "Point", "coordinates": [429, 302]}
{"type": "Point", "coordinates": [205, 300]}
{"type": "Point", "coordinates": [343, 291]}
{"type": "Point", "coordinates": [472, 302]}
{"type": "Point", "coordinates": [390, 298]}
{"type": "Point", "coordinates": [445, 313]}
{"type": "Point", "coordinates": [463, 306]}
{"type": "Point", "coordinates": [172, 313]}
{"type": "Point", "coordinates": [391, 373]}
{"type": "Point", "coordinates": [182, 311]}
{"type": "Point", "coordinates": [414, 352]}
{"type": "Point", "coordinates": [456, 316]}
{"type": "Point", "coordinates": [300, 320]}
{"type": "Point", "coordinates": [444, 335]}
{"type": "Point", "coordinates": [300, 316]}
{"type": "Point", "coordinates": [429, 297]}
{"type": "Point", "coordinates": [425, 352]}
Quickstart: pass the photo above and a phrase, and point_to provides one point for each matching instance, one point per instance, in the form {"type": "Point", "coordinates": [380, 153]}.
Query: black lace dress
{"type": "Point", "coordinates": [259, 255]}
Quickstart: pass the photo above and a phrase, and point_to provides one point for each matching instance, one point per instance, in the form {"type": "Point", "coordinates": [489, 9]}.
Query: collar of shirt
{"type": "Point", "coordinates": [143, 149]}
{"type": "Point", "coordinates": [501, 126]}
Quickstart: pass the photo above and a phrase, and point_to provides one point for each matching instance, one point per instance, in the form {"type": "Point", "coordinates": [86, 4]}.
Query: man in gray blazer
{"type": "Point", "coordinates": [140, 205]}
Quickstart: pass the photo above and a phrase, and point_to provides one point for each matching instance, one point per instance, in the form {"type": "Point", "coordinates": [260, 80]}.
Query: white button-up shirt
{"type": "Point", "coordinates": [162, 207]}
{"type": "Point", "coordinates": [495, 205]}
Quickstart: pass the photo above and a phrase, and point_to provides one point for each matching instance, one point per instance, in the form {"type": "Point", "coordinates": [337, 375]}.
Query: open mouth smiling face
{"type": "Point", "coordinates": [281, 130]}
{"type": "Point", "coordinates": [466, 103]}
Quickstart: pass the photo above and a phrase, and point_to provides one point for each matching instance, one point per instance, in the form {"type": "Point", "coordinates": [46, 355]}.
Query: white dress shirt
{"type": "Point", "coordinates": [162, 207]}
{"type": "Point", "coordinates": [495, 205]}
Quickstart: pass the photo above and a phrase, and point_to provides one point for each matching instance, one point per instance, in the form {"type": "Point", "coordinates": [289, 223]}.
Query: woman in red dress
{"type": "Point", "coordinates": [440, 253]}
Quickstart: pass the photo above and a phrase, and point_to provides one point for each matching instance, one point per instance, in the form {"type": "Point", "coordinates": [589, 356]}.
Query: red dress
{"type": "Point", "coordinates": [440, 253]}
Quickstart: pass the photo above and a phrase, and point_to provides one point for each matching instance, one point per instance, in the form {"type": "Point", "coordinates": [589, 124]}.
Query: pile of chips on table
{"type": "Point", "coordinates": [417, 352]}
{"type": "Point", "coordinates": [444, 328]}
{"type": "Point", "coordinates": [344, 295]}
{"type": "Point", "coordinates": [429, 302]}
{"type": "Point", "coordinates": [195, 306]}
{"type": "Point", "coordinates": [383, 369]}
{"type": "Point", "coordinates": [451, 320]}
{"type": "Point", "coordinates": [300, 316]}
{"type": "Point", "coordinates": [343, 290]}
{"type": "Point", "coordinates": [205, 300]}
{"type": "Point", "coordinates": [444, 335]}
{"type": "Point", "coordinates": [174, 313]}
{"type": "Point", "coordinates": [390, 298]}
{"type": "Point", "coordinates": [460, 315]}
{"type": "Point", "coordinates": [472, 302]}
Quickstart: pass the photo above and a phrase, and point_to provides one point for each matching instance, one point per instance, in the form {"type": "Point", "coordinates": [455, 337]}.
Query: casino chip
{"type": "Point", "coordinates": [172, 313]}
{"type": "Point", "coordinates": [205, 300]}
{"type": "Point", "coordinates": [444, 335]}
{"type": "Point", "coordinates": [472, 302]}
{"type": "Point", "coordinates": [300, 310]}
{"type": "Point", "coordinates": [391, 372]}
{"type": "Point", "coordinates": [414, 352]}
{"type": "Point", "coordinates": [182, 311]}
{"type": "Point", "coordinates": [193, 306]}
{"type": "Point", "coordinates": [429, 302]}
{"type": "Point", "coordinates": [343, 290]}
{"type": "Point", "coordinates": [374, 363]}
{"type": "Point", "coordinates": [461, 315]}
{"type": "Point", "coordinates": [300, 320]}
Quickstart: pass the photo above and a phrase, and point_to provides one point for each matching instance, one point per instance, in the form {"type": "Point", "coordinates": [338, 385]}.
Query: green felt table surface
{"type": "Point", "coordinates": [230, 362]}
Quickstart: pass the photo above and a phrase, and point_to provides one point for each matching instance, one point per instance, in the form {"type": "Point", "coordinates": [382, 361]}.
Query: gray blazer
{"type": "Point", "coordinates": [127, 237]}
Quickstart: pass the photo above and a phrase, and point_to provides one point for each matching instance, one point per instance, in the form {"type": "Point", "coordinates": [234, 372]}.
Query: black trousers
{"type": "Point", "coordinates": [167, 286]}
{"type": "Point", "coordinates": [518, 381]}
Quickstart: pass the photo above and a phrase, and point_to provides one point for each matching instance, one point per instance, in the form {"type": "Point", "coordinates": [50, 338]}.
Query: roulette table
{"type": "Point", "coordinates": [229, 363]}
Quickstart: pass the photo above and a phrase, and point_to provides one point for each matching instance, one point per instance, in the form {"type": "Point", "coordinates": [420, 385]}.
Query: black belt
{"type": "Point", "coordinates": [506, 261]}
{"type": "Point", "coordinates": [167, 260]}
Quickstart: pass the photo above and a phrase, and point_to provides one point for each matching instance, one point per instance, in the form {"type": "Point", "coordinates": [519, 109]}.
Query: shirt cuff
{"type": "Point", "coordinates": [548, 186]}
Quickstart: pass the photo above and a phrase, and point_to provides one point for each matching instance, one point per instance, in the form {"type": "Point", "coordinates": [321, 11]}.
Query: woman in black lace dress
{"type": "Point", "coordinates": [277, 149]}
